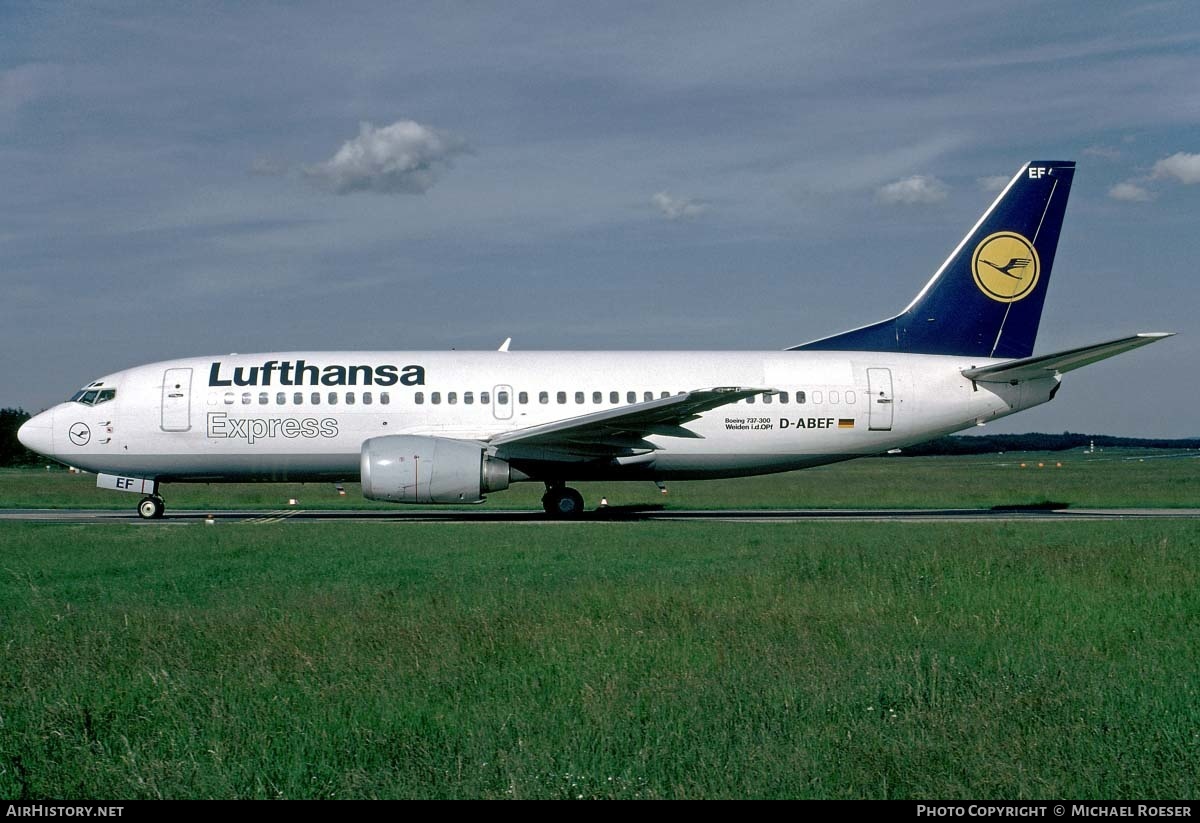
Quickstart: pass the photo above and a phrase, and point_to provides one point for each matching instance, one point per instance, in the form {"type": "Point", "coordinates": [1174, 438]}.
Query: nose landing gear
{"type": "Point", "coordinates": [151, 507]}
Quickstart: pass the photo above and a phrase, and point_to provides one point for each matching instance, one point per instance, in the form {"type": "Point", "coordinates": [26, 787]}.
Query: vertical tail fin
{"type": "Point", "coordinates": [986, 299]}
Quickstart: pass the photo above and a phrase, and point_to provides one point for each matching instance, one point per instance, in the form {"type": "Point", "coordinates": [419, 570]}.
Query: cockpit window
{"type": "Point", "coordinates": [93, 397]}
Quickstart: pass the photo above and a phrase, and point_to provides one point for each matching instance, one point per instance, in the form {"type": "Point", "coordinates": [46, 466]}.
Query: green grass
{"type": "Point", "coordinates": [1111, 479]}
{"type": "Point", "coordinates": [1041, 660]}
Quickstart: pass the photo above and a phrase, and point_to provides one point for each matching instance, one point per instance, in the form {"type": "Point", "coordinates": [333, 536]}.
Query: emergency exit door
{"type": "Point", "coordinates": [502, 402]}
{"type": "Point", "coordinates": [879, 382]}
{"type": "Point", "coordinates": [177, 400]}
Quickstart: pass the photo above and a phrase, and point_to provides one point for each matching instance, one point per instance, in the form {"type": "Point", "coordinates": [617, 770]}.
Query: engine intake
{"type": "Point", "coordinates": [404, 468]}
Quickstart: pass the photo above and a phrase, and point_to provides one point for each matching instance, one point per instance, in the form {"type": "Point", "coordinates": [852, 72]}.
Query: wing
{"type": "Point", "coordinates": [617, 432]}
{"type": "Point", "coordinates": [1048, 365]}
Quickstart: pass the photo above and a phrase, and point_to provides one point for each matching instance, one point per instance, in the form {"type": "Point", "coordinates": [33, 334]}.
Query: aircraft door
{"type": "Point", "coordinates": [177, 400]}
{"type": "Point", "coordinates": [502, 402]}
{"type": "Point", "coordinates": [879, 389]}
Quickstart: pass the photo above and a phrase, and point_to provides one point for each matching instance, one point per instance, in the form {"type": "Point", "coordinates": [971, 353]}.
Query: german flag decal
{"type": "Point", "coordinates": [845, 422]}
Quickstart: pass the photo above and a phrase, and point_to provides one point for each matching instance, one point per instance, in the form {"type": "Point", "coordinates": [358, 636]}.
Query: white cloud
{"type": "Point", "coordinates": [913, 190]}
{"type": "Point", "coordinates": [1102, 152]}
{"type": "Point", "coordinates": [994, 183]}
{"type": "Point", "coordinates": [1182, 166]}
{"type": "Point", "coordinates": [673, 208]}
{"type": "Point", "coordinates": [403, 158]}
{"type": "Point", "coordinates": [1130, 192]}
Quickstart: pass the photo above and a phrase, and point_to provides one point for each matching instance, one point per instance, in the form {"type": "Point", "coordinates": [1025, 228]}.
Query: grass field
{"type": "Point", "coordinates": [1040, 660]}
{"type": "Point", "coordinates": [1110, 479]}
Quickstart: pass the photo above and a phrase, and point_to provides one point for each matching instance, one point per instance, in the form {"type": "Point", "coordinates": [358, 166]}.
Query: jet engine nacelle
{"type": "Point", "coordinates": [405, 468]}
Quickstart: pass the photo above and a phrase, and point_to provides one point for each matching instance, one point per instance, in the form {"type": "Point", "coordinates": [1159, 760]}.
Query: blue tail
{"type": "Point", "coordinates": [986, 299]}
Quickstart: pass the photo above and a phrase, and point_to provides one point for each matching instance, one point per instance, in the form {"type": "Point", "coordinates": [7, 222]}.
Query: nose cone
{"type": "Point", "coordinates": [37, 433]}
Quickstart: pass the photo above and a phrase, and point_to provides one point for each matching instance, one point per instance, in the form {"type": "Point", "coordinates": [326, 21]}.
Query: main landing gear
{"type": "Point", "coordinates": [151, 507]}
{"type": "Point", "coordinates": [559, 501]}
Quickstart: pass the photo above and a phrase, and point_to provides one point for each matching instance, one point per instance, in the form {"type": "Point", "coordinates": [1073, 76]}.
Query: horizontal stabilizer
{"type": "Point", "coordinates": [1048, 365]}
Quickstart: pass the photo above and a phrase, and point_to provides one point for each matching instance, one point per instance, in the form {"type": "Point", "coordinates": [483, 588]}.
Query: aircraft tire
{"type": "Point", "coordinates": [151, 508]}
{"type": "Point", "coordinates": [563, 503]}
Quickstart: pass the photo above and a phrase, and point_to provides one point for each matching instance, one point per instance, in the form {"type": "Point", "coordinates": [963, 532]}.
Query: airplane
{"type": "Point", "coordinates": [452, 427]}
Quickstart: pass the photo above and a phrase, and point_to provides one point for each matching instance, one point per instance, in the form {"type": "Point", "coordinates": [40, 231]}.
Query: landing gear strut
{"type": "Point", "coordinates": [559, 501]}
{"type": "Point", "coordinates": [151, 507]}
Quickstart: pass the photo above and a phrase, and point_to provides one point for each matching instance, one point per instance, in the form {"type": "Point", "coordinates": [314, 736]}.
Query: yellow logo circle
{"type": "Point", "coordinates": [1005, 266]}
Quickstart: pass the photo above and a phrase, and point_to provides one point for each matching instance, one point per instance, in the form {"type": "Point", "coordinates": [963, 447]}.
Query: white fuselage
{"type": "Point", "coordinates": [251, 417]}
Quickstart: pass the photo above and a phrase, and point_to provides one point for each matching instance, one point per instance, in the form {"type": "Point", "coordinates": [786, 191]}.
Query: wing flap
{"type": "Point", "coordinates": [1048, 365]}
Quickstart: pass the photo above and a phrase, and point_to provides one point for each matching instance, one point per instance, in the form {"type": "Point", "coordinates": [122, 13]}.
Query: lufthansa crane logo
{"type": "Point", "coordinates": [1006, 267]}
{"type": "Point", "coordinates": [80, 434]}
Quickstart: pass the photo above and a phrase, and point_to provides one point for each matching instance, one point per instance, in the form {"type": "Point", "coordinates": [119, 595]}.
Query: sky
{"type": "Point", "coordinates": [185, 179]}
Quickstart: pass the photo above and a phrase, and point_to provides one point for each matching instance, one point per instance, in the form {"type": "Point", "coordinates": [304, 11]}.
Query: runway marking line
{"type": "Point", "coordinates": [274, 517]}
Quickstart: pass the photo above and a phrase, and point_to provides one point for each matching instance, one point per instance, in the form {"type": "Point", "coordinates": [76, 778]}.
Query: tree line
{"type": "Point", "coordinates": [1041, 442]}
{"type": "Point", "coordinates": [12, 453]}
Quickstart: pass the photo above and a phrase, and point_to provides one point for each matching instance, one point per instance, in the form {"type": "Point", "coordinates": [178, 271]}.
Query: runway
{"type": "Point", "coordinates": [608, 515]}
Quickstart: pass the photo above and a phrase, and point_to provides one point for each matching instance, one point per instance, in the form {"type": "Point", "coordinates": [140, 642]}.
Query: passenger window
{"type": "Point", "coordinates": [833, 397]}
{"type": "Point", "coordinates": [850, 397]}
{"type": "Point", "coordinates": [485, 398]}
{"type": "Point", "coordinates": [648, 396]}
{"type": "Point", "coordinates": [767, 398]}
{"type": "Point", "coordinates": [579, 397]}
{"type": "Point", "coordinates": [597, 397]}
{"type": "Point", "coordinates": [333, 398]}
{"type": "Point", "coordinates": [502, 398]}
{"type": "Point", "coordinates": [419, 398]}
{"type": "Point", "coordinates": [298, 398]}
{"type": "Point", "coordinates": [783, 397]}
{"type": "Point", "coordinates": [228, 398]}
{"type": "Point", "coordinates": [315, 398]}
{"type": "Point", "coordinates": [800, 398]}
{"type": "Point", "coordinates": [614, 397]}
{"type": "Point", "coordinates": [281, 398]}
{"type": "Point", "coordinates": [561, 397]}
{"type": "Point", "coordinates": [435, 397]}
{"type": "Point", "coordinates": [750, 400]}
{"type": "Point", "coordinates": [523, 398]}
{"type": "Point", "coordinates": [816, 397]}
{"type": "Point", "coordinates": [452, 398]}
{"type": "Point", "coordinates": [349, 398]}
{"type": "Point", "coordinates": [631, 397]}
{"type": "Point", "coordinates": [469, 398]}
{"type": "Point", "coordinates": [367, 398]}
{"type": "Point", "coordinates": [665, 394]}
{"type": "Point", "coordinates": [543, 397]}
{"type": "Point", "coordinates": [263, 398]}
{"type": "Point", "coordinates": [246, 398]}
{"type": "Point", "coordinates": [385, 398]}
